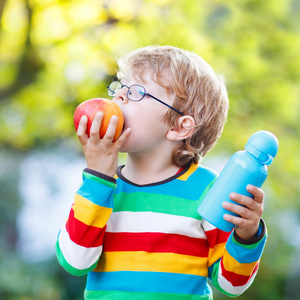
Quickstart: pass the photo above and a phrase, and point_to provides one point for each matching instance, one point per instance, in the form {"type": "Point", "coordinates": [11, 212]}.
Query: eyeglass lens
{"type": "Point", "coordinates": [135, 92]}
{"type": "Point", "coordinates": [113, 88]}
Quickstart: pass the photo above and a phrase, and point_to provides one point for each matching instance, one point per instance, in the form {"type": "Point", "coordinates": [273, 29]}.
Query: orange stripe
{"type": "Point", "coordinates": [236, 279]}
{"type": "Point", "coordinates": [152, 262]}
{"type": "Point", "coordinates": [89, 213]}
{"type": "Point", "coordinates": [188, 173]}
{"type": "Point", "coordinates": [232, 265]}
{"type": "Point", "coordinates": [82, 234]}
{"type": "Point", "coordinates": [216, 253]}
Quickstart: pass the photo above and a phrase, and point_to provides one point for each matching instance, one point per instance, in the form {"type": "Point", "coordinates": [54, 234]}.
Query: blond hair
{"type": "Point", "coordinates": [198, 91]}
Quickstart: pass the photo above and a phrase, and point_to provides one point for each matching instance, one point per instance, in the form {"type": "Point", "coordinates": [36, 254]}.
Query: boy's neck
{"type": "Point", "coordinates": [142, 170]}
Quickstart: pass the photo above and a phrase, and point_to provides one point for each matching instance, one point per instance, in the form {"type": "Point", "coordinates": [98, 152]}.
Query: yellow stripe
{"type": "Point", "coordinates": [89, 213]}
{"type": "Point", "coordinates": [187, 174]}
{"type": "Point", "coordinates": [232, 265]}
{"type": "Point", "coordinates": [216, 253]}
{"type": "Point", "coordinates": [152, 262]}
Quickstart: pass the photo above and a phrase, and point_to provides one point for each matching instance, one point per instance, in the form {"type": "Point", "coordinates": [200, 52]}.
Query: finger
{"type": "Point", "coordinates": [240, 210]}
{"type": "Point", "coordinates": [111, 130]}
{"type": "Point", "coordinates": [240, 222]}
{"type": "Point", "coordinates": [81, 130]}
{"type": "Point", "coordinates": [245, 201]}
{"type": "Point", "coordinates": [95, 128]}
{"type": "Point", "coordinates": [258, 194]}
{"type": "Point", "coordinates": [249, 202]}
{"type": "Point", "coordinates": [236, 220]}
{"type": "Point", "coordinates": [241, 199]}
{"type": "Point", "coordinates": [122, 139]}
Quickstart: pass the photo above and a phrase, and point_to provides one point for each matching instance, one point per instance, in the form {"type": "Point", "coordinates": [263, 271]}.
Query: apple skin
{"type": "Point", "coordinates": [90, 107]}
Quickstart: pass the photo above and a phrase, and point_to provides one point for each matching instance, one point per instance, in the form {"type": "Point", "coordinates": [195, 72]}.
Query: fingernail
{"type": "Point", "coordinates": [249, 188]}
{"type": "Point", "coordinates": [226, 217]}
{"type": "Point", "coordinates": [225, 204]}
{"type": "Point", "coordinates": [232, 195]}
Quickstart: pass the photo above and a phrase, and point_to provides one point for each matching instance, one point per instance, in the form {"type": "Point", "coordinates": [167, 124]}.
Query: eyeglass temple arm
{"type": "Point", "coordinates": [165, 104]}
{"type": "Point", "coordinates": [113, 92]}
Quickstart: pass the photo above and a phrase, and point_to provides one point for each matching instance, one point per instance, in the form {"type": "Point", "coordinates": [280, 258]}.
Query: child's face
{"type": "Point", "coordinates": [144, 117]}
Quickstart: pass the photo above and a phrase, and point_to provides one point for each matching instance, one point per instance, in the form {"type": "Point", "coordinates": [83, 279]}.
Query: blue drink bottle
{"type": "Point", "coordinates": [244, 167]}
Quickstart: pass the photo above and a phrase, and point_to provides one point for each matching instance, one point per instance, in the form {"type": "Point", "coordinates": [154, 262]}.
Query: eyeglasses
{"type": "Point", "coordinates": [135, 93]}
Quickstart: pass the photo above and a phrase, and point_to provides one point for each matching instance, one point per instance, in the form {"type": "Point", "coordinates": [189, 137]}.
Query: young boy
{"type": "Point", "coordinates": [135, 229]}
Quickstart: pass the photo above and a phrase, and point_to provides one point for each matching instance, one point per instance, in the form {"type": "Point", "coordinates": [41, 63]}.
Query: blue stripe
{"type": "Point", "coordinates": [201, 178]}
{"type": "Point", "coordinates": [243, 254]}
{"type": "Point", "coordinates": [148, 282]}
{"type": "Point", "coordinates": [96, 192]}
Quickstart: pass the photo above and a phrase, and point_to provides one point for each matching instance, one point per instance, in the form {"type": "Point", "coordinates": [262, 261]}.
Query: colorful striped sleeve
{"type": "Point", "coordinates": [79, 243]}
{"type": "Point", "coordinates": [234, 263]}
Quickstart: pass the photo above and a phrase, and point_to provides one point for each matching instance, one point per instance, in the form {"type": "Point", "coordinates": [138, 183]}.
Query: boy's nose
{"type": "Point", "coordinates": [121, 95]}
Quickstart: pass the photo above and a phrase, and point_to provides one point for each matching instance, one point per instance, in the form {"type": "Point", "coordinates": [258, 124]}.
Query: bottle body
{"type": "Point", "coordinates": [242, 169]}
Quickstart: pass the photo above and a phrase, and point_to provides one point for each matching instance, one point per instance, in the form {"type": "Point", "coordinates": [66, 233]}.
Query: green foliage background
{"type": "Point", "coordinates": [55, 54]}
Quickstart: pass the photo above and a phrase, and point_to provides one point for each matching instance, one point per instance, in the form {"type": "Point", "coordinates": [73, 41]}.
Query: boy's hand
{"type": "Point", "coordinates": [250, 213]}
{"type": "Point", "coordinates": [101, 154]}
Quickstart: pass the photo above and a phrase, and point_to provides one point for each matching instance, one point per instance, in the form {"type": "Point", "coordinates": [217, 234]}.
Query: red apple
{"type": "Point", "coordinates": [90, 107]}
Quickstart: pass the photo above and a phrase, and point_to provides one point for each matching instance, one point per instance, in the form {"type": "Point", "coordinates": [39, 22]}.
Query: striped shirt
{"type": "Point", "coordinates": [148, 241]}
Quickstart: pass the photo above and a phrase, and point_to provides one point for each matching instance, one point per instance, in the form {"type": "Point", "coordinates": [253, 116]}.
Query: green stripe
{"type": "Point", "coordinates": [99, 180]}
{"type": "Point", "coordinates": [68, 267]}
{"type": "Point", "coordinates": [214, 279]}
{"type": "Point", "coordinates": [249, 247]}
{"type": "Point", "coordinates": [113, 295]}
{"type": "Point", "coordinates": [217, 286]}
{"type": "Point", "coordinates": [207, 189]}
{"type": "Point", "coordinates": [141, 202]}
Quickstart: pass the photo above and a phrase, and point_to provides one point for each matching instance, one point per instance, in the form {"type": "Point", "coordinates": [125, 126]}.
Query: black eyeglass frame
{"type": "Point", "coordinates": [112, 93]}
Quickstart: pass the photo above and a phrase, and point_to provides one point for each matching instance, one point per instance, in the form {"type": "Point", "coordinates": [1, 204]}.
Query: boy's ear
{"type": "Point", "coordinates": [184, 129]}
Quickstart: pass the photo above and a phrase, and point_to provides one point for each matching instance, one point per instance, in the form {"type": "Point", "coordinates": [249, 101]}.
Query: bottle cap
{"type": "Point", "coordinates": [263, 145]}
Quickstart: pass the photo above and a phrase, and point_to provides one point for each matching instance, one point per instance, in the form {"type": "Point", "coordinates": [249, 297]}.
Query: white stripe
{"type": "Point", "coordinates": [229, 288]}
{"type": "Point", "coordinates": [207, 226]}
{"type": "Point", "coordinates": [154, 222]}
{"type": "Point", "coordinates": [77, 256]}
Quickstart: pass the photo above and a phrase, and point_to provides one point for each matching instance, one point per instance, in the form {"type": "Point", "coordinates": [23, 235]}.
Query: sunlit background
{"type": "Point", "coordinates": [55, 54]}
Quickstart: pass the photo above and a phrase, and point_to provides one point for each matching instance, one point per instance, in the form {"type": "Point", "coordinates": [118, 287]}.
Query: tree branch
{"type": "Point", "coordinates": [2, 4]}
{"type": "Point", "coordinates": [29, 64]}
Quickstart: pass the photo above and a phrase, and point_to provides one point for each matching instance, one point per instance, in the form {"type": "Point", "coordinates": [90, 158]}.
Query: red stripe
{"type": "Point", "coordinates": [216, 236]}
{"type": "Point", "coordinates": [181, 169]}
{"type": "Point", "coordinates": [236, 279]}
{"type": "Point", "coordinates": [82, 234]}
{"type": "Point", "coordinates": [154, 242]}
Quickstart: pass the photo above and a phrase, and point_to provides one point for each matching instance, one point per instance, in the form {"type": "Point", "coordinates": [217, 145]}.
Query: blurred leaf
{"type": "Point", "coordinates": [55, 54]}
